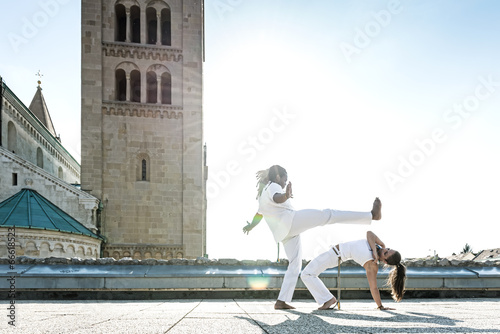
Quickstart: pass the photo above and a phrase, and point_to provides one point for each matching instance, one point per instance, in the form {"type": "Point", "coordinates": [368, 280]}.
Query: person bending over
{"type": "Point", "coordinates": [287, 224]}
{"type": "Point", "coordinates": [367, 252]}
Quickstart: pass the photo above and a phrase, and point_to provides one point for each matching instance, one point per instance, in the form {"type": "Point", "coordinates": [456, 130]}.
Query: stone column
{"type": "Point", "coordinates": [128, 27]}
{"type": "Point", "coordinates": [144, 86]}
{"type": "Point", "coordinates": [158, 28]}
{"type": "Point", "coordinates": [143, 26]}
{"type": "Point", "coordinates": [127, 87]}
{"type": "Point", "coordinates": [158, 85]}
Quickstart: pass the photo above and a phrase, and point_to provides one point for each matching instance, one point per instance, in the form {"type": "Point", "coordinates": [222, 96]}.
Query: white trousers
{"type": "Point", "coordinates": [316, 287]}
{"type": "Point", "coordinates": [303, 221]}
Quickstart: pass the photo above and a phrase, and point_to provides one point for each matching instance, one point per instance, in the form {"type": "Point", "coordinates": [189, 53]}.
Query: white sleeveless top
{"type": "Point", "coordinates": [358, 251]}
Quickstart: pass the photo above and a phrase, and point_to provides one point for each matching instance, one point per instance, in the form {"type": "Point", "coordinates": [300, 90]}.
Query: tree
{"type": "Point", "coordinates": [467, 249]}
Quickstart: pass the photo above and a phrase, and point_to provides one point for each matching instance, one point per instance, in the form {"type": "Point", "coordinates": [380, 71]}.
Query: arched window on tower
{"type": "Point", "coordinates": [120, 23]}
{"type": "Point", "coordinates": [166, 31]}
{"type": "Point", "coordinates": [152, 87]}
{"type": "Point", "coordinates": [151, 21]}
{"type": "Point", "coordinates": [39, 157]}
{"type": "Point", "coordinates": [135, 17]}
{"type": "Point", "coordinates": [143, 167]}
{"type": "Point", "coordinates": [11, 137]}
{"type": "Point", "coordinates": [166, 88]}
{"type": "Point", "coordinates": [135, 86]}
{"type": "Point", "coordinates": [121, 85]}
{"type": "Point", "coordinates": [60, 172]}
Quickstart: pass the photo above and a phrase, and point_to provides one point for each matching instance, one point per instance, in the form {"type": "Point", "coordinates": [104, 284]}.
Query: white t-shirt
{"type": "Point", "coordinates": [358, 250]}
{"type": "Point", "coordinates": [278, 216]}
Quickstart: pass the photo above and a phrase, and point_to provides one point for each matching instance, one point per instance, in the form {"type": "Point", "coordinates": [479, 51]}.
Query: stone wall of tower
{"type": "Point", "coordinates": [194, 210]}
{"type": "Point", "coordinates": [145, 157]}
{"type": "Point", "coordinates": [91, 109]}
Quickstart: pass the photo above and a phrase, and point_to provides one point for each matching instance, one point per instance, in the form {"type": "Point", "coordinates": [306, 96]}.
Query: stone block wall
{"type": "Point", "coordinates": [71, 200]}
{"type": "Point", "coordinates": [31, 141]}
{"type": "Point", "coordinates": [194, 210]}
{"type": "Point", "coordinates": [46, 244]}
{"type": "Point", "coordinates": [91, 97]}
{"type": "Point", "coordinates": [159, 214]}
{"type": "Point", "coordinates": [142, 211]}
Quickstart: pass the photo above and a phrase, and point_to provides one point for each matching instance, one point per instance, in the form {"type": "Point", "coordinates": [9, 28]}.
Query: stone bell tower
{"type": "Point", "coordinates": [142, 125]}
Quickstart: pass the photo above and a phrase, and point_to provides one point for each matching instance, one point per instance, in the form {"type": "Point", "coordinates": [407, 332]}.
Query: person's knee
{"type": "Point", "coordinates": [306, 274]}
{"type": "Point", "coordinates": [294, 270]}
{"type": "Point", "coordinates": [296, 262]}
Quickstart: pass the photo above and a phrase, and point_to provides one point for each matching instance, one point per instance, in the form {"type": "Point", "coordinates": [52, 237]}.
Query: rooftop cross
{"type": "Point", "coordinates": [39, 75]}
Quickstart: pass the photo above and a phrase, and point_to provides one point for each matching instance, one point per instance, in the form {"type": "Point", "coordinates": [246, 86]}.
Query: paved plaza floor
{"type": "Point", "coordinates": [252, 316]}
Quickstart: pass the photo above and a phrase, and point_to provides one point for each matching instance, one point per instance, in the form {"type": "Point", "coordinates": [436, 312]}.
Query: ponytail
{"type": "Point", "coordinates": [397, 277]}
{"type": "Point", "coordinates": [262, 180]}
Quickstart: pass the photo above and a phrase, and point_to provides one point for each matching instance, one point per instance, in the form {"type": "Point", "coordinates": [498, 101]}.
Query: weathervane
{"type": "Point", "coordinates": [39, 75]}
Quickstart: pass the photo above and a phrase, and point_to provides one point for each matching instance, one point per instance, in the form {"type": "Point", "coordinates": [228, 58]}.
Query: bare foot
{"type": "Point", "coordinates": [281, 305]}
{"type": "Point", "coordinates": [377, 209]}
{"type": "Point", "coordinates": [329, 303]}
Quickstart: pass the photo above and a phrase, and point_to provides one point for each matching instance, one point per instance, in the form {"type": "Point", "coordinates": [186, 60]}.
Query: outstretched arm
{"type": "Point", "coordinates": [371, 268]}
{"type": "Point", "coordinates": [255, 221]}
{"type": "Point", "coordinates": [373, 241]}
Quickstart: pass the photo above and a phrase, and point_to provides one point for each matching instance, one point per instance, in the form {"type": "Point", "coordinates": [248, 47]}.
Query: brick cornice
{"type": "Point", "coordinates": [141, 51]}
{"type": "Point", "coordinates": [141, 110]}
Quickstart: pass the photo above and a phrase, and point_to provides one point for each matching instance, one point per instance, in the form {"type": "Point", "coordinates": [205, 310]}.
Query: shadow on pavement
{"type": "Point", "coordinates": [415, 323]}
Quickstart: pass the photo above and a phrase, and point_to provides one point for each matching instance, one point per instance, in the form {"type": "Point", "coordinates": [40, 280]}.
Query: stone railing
{"type": "Point", "coordinates": [127, 278]}
{"type": "Point", "coordinates": [410, 263]}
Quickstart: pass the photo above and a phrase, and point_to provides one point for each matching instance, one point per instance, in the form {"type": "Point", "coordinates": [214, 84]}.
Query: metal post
{"type": "Point", "coordinates": [278, 260]}
{"type": "Point", "coordinates": [338, 284]}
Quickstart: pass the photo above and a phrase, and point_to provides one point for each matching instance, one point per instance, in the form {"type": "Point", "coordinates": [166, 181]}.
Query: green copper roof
{"type": "Point", "coordinates": [29, 209]}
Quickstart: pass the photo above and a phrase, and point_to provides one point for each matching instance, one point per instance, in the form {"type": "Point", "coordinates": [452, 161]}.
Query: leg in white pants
{"type": "Point", "coordinates": [311, 272]}
{"type": "Point", "coordinates": [293, 250]}
{"type": "Point", "coordinates": [303, 221]}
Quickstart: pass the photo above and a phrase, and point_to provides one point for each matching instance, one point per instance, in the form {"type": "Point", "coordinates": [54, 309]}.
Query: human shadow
{"type": "Point", "coordinates": [395, 317]}
{"type": "Point", "coordinates": [325, 322]}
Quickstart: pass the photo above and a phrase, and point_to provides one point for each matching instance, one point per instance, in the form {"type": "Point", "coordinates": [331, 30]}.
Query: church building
{"type": "Point", "coordinates": [40, 203]}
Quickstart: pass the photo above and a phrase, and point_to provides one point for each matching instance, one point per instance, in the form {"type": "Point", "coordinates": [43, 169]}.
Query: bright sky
{"type": "Point", "coordinates": [356, 99]}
